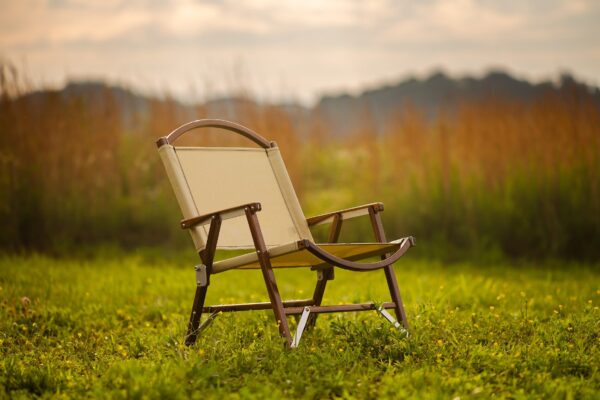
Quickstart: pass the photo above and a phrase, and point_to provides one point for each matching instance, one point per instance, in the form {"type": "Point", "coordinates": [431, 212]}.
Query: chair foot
{"type": "Point", "coordinates": [301, 325]}
{"type": "Point", "coordinates": [385, 314]}
{"type": "Point", "coordinates": [190, 339]}
{"type": "Point", "coordinates": [395, 295]}
{"type": "Point", "coordinates": [306, 317]}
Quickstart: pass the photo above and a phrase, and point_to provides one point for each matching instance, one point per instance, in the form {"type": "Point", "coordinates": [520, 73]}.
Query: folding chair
{"type": "Point", "coordinates": [223, 192]}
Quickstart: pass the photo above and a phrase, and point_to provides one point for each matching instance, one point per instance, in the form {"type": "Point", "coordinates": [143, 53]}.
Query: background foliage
{"type": "Point", "coordinates": [488, 178]}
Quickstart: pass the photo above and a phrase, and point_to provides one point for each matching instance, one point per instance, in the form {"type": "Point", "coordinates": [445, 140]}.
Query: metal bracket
{"type": "Point", "coordinates": [385, 314]}
{"type": "Point", "coordinates": [201, 275]}
{"type": "Point", "coordinates": [202, 327]}
{"type": "Point", "coordinates": [320, 275]}
{"type": "Point", "coordinates": [325, 274]}
{"type": "Point", "coordinates": [301, 326]}
{"type": "Point", "coordinates": [208, 321]}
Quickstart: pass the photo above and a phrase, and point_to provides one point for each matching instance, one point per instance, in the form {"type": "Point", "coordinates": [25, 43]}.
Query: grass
{"type": "Point", "coordinates": [113, 328]}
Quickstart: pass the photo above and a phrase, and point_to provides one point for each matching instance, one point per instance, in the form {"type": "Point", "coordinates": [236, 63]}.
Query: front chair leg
{"type": "Point", "coordinates": [326, 274]}
{"type": "Point", "coordinates": [390, 277]}
{"type": "Point", "coordinates": [269, 276]}
{"type": "Point", "coordinates": [194, 323]}
{"type": "Point", "coordinates": [203, 272]}
{"type": "Point", "coordinates": [276, 302]}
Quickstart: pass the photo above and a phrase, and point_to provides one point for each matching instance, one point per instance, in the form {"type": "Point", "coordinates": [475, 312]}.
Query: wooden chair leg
{"type": "Point", "coordinates": [269, 276]}
{"type": "Point", "coordinates": [276, 302]}
{"type": "Point", "coordinates": [390, 276]}
{"type": "Point", "coordinates": [324, 276]}
{"type": "Point", "coordinates": [203, 272]}
{"type": "Point", "coordinates": [194, 323]}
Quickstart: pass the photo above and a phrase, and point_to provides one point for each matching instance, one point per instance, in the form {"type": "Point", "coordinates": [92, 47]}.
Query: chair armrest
{"type": "Point", "coordinates": [331, 259]}
{"type": "Point", "coordinates": [347, 213]}
{"type": "Point", "coordinates": [223, 214]}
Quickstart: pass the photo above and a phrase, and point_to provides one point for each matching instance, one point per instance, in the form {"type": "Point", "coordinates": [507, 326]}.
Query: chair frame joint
{"type": "Point", "coordinates": [201, 275]}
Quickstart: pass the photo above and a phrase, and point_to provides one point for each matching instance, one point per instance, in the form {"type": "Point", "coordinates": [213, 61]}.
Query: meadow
{"type": "Point", "coordinates": [112, 327]}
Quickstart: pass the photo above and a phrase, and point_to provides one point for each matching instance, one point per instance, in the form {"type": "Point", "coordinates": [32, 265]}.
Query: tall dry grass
{"type": "Point", "coordinates": [490, 177]}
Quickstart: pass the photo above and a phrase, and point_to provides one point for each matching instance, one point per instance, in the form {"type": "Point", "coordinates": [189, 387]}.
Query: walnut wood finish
{"type": "Point", "coordinates": [269, 276]}
{"type": "Point", "coordinates": [317, 219]}
{"type": "Point", "coordinates": [224, 214]}
{"type": "Point", "coordinates": [325, 274]}
{"type": "Point", "coordinates": [207, 256]}
{"type": "Point", "coordinates": [339, 308]}
{"type": "Point", "coordinates": [255, 306]}
{"type": "Point", "coordinates": [390, 276]}
{"type": "Point", "coordinates": [352, 265]}
{"type": "Point", "coordinates": [215, 123]}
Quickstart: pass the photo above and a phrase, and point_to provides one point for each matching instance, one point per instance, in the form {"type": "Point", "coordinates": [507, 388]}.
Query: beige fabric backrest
{"type": "Point", "coordinates": [215, 178]}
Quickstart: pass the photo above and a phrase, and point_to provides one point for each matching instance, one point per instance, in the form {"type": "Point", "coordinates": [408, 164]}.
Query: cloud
{"type": "Point", "coordinates": [29, 22]}
{"type": "Point", "coordinates": [311, 44]}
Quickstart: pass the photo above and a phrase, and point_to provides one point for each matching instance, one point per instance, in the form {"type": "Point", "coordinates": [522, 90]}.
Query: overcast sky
{"type": "Point", "coordinates": [287, 50]}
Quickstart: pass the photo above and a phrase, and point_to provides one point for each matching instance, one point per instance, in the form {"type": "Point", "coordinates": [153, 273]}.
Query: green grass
{"type": "Point", "coordinates": [113, 328]}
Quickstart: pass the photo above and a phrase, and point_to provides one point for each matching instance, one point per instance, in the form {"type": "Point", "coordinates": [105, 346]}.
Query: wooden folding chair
{"type": "Point", "coordinates": [223, 192]}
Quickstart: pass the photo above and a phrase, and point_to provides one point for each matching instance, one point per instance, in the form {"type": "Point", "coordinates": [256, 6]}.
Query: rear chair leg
{"type": "Point", "coordinates": [324, 275]}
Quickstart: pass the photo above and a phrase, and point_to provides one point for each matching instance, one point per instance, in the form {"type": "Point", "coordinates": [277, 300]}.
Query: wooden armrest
{"type": "Point", "coordinates": [223, 214]}
{"type": "Point", "coordinates": [405, 244]}
{"type": "Point", "coordinates": [347, 213]}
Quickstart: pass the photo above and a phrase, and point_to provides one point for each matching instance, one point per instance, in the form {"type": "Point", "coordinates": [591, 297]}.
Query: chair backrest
{"type": "Point", "coordinates": [208, 179]}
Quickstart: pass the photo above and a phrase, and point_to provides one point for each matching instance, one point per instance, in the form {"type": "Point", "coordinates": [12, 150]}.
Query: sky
{"type": "Point", "coordinates": [281, 50]}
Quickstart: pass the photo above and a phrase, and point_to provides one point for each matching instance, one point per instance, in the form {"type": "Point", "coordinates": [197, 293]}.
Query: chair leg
{"type": "Point", "coordinates": [269, 276]}
{"type": "Point", "coordinates": [276, 302]}
{"type": "Point", "coordinates": [192, 332]}
{"type": "Point", "coordinates": [324, 276]}
{"type": "Point", "coordinates": [390, 276]}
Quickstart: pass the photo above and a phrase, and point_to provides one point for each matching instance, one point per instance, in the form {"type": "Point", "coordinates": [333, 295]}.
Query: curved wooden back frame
{"type": "Point", "coordinates": [215, 123]}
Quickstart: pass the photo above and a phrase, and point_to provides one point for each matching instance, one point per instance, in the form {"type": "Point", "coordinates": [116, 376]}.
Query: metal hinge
{"type": "Point", "coordinates": [201, 275]}
{"type": "Point", "coordinates": [301, 326]}
{"type": "Point", "coordinates": [385, 314]}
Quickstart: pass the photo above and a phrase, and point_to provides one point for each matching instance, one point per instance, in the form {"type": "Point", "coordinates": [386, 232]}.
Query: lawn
{"type": "Point", "coordinates": [113, 327]}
